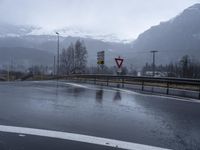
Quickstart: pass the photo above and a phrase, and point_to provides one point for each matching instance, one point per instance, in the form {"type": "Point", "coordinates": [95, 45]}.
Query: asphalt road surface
{"type": "Point", "coordinates": [50, 115]}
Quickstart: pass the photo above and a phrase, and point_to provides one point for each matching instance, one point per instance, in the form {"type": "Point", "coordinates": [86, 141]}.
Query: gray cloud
{"type": "Point", "coordinates": [125, 18]}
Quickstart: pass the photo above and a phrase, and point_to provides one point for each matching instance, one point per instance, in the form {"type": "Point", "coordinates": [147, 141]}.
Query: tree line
{"type": "Point", "coordinates": [187, 67]}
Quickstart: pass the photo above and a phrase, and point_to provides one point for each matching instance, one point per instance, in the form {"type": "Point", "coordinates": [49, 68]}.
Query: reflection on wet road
{"type": "Point", "coordinates": [101, 111]}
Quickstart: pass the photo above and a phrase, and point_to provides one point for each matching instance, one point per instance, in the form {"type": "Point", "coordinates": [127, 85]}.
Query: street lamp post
{"type": "Point", "coordinates": [58, 55]}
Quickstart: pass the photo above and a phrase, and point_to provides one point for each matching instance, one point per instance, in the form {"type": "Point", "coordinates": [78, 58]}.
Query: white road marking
{"type": "Point", "coordinates": [126, 91]}
{"type": "Point", "coordinates": [90, 88]}
{"type": "Point", "coordinates": [77, 85]}
{"type": "Point", "coordinates": [78, 138]}
{"type": "Point", "coordinates": [22, 135]}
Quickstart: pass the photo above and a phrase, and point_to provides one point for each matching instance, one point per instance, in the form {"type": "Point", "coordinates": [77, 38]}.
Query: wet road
{"type": "Point", "coordinates": [95, 111]}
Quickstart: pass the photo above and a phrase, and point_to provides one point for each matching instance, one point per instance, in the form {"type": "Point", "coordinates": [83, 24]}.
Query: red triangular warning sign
{"type": "Point", "coordinates": [119, 61]}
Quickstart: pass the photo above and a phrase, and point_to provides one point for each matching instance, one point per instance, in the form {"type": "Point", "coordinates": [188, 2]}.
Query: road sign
{"type": "Point", "coordinates": [119, 62]}
{"type": "Point", "coordinates": [100, 58]}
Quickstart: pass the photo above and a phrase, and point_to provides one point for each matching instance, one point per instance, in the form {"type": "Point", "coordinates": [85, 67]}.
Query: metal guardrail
{"type": "Point", "coordinates": [170, 86]}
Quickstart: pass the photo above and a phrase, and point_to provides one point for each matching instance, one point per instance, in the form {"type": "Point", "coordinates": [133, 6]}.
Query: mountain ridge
{"type": "Point", "coordinates": [177, 37]}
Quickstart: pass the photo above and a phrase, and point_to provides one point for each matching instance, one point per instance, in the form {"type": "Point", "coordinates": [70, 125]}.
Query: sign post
{"type": "Point", "coordinates": [119, 61]}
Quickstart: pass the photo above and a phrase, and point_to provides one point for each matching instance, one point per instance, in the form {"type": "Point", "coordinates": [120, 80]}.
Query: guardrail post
{"type": "Point", "coordinates": [142, 85]}
{"type": "Point", "coordinates": [167, 88]}
{"type": "Point", "coordinates": [122, 82]}
{"type": "Point", "coordinates": [199, 92]}
{"type": "Point", "coordinates": [95, 80]}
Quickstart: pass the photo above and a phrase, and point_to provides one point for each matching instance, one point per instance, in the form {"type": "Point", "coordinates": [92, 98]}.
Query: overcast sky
{"type": "Point", "coordinates": [124, 18]}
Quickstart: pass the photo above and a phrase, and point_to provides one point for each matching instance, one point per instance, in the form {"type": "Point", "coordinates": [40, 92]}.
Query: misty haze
{"type": "Point", "coordinates": [99, 74]}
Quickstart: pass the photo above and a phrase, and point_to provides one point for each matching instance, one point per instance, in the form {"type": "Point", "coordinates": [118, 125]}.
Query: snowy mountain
{"type": "Point", "coordinates": [8, 30]}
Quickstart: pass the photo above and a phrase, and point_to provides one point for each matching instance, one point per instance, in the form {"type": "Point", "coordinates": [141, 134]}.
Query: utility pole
{"type": "Point", "coordinates": [8, 72]}
{"type": "Point", "coordinates": [58, 55]}
{"type": "Point", "coordinates": [153, 52]}
{"type": "Point", "coordinates": [74, 61]}
{"type": "Point", "coordinates": [54, 65]}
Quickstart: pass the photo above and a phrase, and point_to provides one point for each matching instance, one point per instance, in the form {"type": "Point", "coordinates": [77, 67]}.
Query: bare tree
{"type": "Point", "coordinates": [74, 58]}
{"type": "Point", "coordinates": [67, 60]}
{"type": "Point", "coordinates": [80, 57]}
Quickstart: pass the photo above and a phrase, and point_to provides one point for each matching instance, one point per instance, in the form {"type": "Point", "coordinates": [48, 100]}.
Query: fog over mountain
{"type": "Point", "coordinates": [173, 39]}
{"type": "Point", "coordinates": [24, 56]}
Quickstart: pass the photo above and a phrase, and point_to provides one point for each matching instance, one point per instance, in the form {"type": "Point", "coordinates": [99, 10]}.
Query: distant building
{"type": "Point", "coordinates": [157, 73]}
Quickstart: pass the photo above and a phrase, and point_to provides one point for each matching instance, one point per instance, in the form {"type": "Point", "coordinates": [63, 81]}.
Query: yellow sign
{"type": "Point", "coordinates": [100, 58]}
{"type": "Point", "coordinates": [100, 62]}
